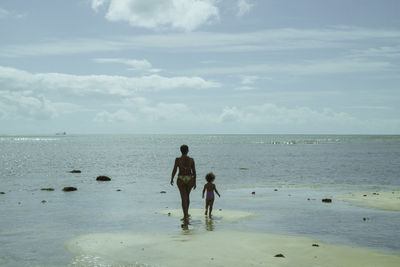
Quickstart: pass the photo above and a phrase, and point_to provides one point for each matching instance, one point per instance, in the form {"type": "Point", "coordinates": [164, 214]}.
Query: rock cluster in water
{"type": "Point", "coordinates": [69, 189]}
{"type": "Point", "coordinates": [103, 178]}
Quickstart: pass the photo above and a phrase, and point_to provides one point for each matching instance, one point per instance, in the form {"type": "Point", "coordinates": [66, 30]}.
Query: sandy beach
{"type": "Point", "coordinates": [217, 248]}
{"type": "Point", "coordinates": [377, 200]}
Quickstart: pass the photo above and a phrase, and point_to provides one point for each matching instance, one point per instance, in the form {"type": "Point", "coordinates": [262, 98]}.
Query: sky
{"type": "Point", "coordinates": [199, 67]}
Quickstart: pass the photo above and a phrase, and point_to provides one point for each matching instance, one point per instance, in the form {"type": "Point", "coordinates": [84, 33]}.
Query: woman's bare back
{"type": "Point", "coordinates": [185, 165]}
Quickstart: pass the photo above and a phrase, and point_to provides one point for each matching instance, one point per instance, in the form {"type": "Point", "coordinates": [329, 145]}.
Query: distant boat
{"type": "Point", "coordinates": [62, 133]}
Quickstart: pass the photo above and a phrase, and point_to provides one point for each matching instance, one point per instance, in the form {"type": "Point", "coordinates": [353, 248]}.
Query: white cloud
{"type": "Point", "coordinates": [231, 114]}
{"type": "Point", "coordinates": [29, 106]}
{"type": "Point", "coordinates": [142, 110]}
{"type": "Point", "coordinates": [134, 64]}
{"type": "Point", "coordinates": [285, 39]}
{"type": "Point", "coordinates": [96, 4]}
{"type": "Point", "coordinates": [243, 7]}
{"type": "Point", "coordinates": [155, 14]}
{"type": "Point", "coordinates": [271, 114]}
{"type": "Point", "coordinates": [121, 115]}
{"type": "Point", "coordinates": [249, 79]}
{"type": "Point", "coordinates": [14, 79]}
{"type": "Point", "coordinates": [344, 65]}
{"type": "Point", "coordinates": [6, 14]}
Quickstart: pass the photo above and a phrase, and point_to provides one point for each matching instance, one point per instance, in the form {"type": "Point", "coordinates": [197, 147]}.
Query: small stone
{"type": "Point", "coordinates": [75, 171]}
{"type": "Point", "coordinates": [103, 178]}
{"type": "Point", "coordinates": [327, 200]}
{"type": "Point", "coordinates": [163, 192]}
{"type": "Point", "coordinates": [315, 245]}
{"type": "Point", "coordinates": [243, 169]}
{"type": "Point", "coordinates": [118, 190]}
{"type": "Point", "coordinates": [220, 209]}
{"type": "Point", "coordinates": [364, 195]}
{"type": "Point", "coordinates": [47, 189]}
{"type": "Point", "coordinates": [253, 193]}
{"type": "Point", "coordinates": [2, 193]}
{"type": "Point", "coordinates": [169, 213]}
{"type": "Point", "coordinates": [69, 189]}
{"type": "Point", "coordinates": [44, 201]}
{"type": "Point", "coordinates": [275, 190]}
{"type": "Point", "coordinates": [376, 194]}
{"type": "Point", "coordinates": [308, 199]}
{"type": "Point", "coordinates": [279, 256]}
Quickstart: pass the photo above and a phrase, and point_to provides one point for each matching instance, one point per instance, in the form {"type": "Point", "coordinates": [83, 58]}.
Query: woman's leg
{"type": "Point", "coordinates": [184, 197]}
{"type": "Point", "coordinates": [184, 190]}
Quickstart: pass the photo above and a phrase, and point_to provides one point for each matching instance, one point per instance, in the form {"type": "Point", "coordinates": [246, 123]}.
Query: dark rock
{"type": "Point", "coordinates": [75, 171]}
{"type": "Point", "coordinates": [364, 195]}
{"type": "Point", "coordinates": [47, 189]}
{"type": "Point", "coordinates": [69, 189]}
{"type": "Point", "coordinates": [279, 256]}
{"type": "Point", "coordinates": [220, 209]}
{"type": "Point", "coordinates": [169, 213]}
{"type": "Point", "coordinates": [315, 245]}
{"type": "Point", "coordinates": [2, 193]}
{"type": "Point", "coordinates": [118, 190]}
{"type": "Point", "coordinates": [375, 194]}
{"type": "Point", "coordinates": [308, 199]}
{"type": "Point", "coordinates": [275, 190]}
{"type": "Point", "coordinates": [44, 201]}
{"type": "Point", "coordinates": [253, 193]}
{"type": "Point", "coordinates": [243, 169]}
{"type": "Point", "coordinates": [103, 178]}
{"type": "Point", "coordinates": [327, 200]}
{"type": "Point", "coordinates": [163, 192]}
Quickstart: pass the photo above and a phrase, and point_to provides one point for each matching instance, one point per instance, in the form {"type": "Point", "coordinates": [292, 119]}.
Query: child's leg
{"type": "Point", "coordinates": [207, 204]}
{"type": "Point", "coordinates": [211, 207]}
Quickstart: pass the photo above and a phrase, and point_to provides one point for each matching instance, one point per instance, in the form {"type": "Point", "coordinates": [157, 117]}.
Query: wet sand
{"type": "Point", "coordinates": [217, 248]}
{"type": "Point", "coordinates": [378, 200]}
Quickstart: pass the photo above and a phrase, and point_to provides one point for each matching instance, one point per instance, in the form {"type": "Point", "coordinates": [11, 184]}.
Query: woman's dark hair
{"type": "Point", "coordinates": [210, 177]}
{"type": "Point", "coordinates": [184, 149]}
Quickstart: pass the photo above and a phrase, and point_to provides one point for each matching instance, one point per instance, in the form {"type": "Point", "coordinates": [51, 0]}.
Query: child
{"type": "Point", "coordinates": [210, 187]}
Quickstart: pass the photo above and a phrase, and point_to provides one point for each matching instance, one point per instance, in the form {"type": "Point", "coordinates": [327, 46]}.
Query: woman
{"type": "Point", "coordinates": [186, 178]}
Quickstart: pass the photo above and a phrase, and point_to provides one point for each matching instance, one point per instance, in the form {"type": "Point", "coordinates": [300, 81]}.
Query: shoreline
{"type": "Point", "coordinates": [381, 200]}
{"type": "Point", "coordinates": [219, 248]}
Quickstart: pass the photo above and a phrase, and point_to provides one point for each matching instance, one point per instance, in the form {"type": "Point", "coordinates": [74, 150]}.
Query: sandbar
{"type": "Point", "coordinates": [217, 215]}
{"type": "Point", "coordinates": [378, 200]}
{"type": "Point", "coordinates": [218, 248]}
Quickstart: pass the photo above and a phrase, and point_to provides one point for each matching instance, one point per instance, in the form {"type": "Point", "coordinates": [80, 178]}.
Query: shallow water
{"type": "Point", "coordinates": [33, 233]}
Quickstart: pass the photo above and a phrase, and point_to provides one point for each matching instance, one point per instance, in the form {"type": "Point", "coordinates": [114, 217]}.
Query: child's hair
{"type": "Point", "coordinates": [210, 177]}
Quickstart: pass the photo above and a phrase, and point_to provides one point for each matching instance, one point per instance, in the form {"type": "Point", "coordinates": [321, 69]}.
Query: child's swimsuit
{"type": "Point", "coordinates": [210, 194]}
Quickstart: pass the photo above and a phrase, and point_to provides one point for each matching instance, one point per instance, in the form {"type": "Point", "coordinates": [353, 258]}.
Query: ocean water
{"type": "Point", "coordinates": [300, 167]}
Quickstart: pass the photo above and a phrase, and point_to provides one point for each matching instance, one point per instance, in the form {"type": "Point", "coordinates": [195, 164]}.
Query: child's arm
{"type": "Point", "coordinates": [216, 191]}
{"type": "Point", "coordinates": [204, 189]}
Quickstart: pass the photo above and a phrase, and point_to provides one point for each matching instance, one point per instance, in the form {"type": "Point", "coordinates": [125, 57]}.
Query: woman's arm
{"type": "Point", "coordinates": [194, 173]}
{"type": "Point", "coordinates": [174, 171]}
